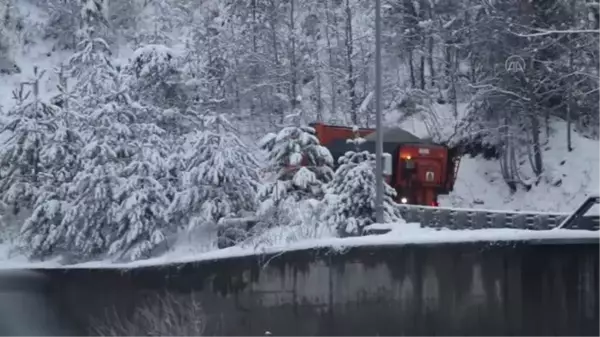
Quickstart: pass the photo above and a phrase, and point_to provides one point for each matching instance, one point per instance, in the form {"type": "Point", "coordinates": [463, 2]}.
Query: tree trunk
{"type": "Point", "coordinates": [254, 27]}
{"type": "Point", "coordinates": [454, 94]}
{"type": "Point", "coordinates": [430, 43]}
{"type": "Point", "coordinates": [570, 94]}
{"type": "Point", "coordinates": [331, 60]}
{"type": "Point", "coordinates": [293, 61]}
{"type": "Point", "coordinates": [505, 164]}
{"type": "Point", "coordinates": [448, 61]}
{"type": "Point", "coordinates": [537, 149]}
{"type": "Point", "coordinates": [413, 80]}
{"type": "Point", "coordinates": [274, 43]}
{"type": "Point", "coordinates": [351, 81]}
{"type": "Point", "coordinates": [431, 64]}
{"type": "Point", "coordinates": [422, 72]}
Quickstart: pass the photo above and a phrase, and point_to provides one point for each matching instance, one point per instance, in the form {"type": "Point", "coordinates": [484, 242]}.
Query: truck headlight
{"type": "Point", "coordinates": [403, 200]}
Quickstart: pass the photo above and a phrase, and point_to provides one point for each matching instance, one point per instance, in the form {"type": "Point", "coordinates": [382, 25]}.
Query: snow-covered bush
{"type": "Point", "coordinates": [349, 205]}
{"type": "Point", "coordinates": [299, 169]}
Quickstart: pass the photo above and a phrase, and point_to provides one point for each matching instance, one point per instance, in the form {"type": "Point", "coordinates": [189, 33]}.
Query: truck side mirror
{"type": "Point", "coordinates": [387, 164]}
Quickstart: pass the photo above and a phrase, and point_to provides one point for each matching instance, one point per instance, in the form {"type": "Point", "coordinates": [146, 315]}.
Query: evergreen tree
{"type": "Point", "coordinates": [61, 162]}
{"type": "Point", "coordinates": [124, 158]}
{"type": "Point", "coordinates": [116, 204]}
{"type": "Point", "coordinates": [91, 64]}
{"type": "Point", "coordinates": [30, 124]}
{"type": "Point", "coordinates": [349, 205]}
{"type": "Point", "coordinates": [221, 177]}
{"type": "Point", "coordinates": [48, 231]}
{"type": "Point", "coordinates": [299, 166]}
{"type": "Point", "coordinates": [140, 214]}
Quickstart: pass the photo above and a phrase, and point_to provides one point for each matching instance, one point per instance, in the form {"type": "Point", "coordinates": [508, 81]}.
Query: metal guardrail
{"type": "Point", "coordinates": [231, 231]}
{"type": "Point", "coordinates": [456, 218]}
{"type": "Point", "coordinates": [451, 218]}
{"type": "Point", "coordinates": [575, 220]}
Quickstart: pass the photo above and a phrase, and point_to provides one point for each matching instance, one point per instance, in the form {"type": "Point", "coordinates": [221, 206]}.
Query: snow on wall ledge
{"type": "Point", "coordinates": [468, 288]}
{"type": "Point", "coordinates": [400, 234]}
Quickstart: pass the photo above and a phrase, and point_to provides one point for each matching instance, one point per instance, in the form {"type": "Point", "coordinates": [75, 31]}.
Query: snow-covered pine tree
{"type": "Point", "coordinates": [46, 232]}
{"type": "Point", "coordinates": [29, 126]}
{"type": "Point", "coordinates": [221, 177]}
{"type": "Point", "coordinates": [299, 166]}
{"type": "Point", "coordinates": [61, 162]}
{"type": "Point", "coordinates": [117, 204]}
{"type": "Point", "coordinates": [61, 154]}
{"type": "Point", "coordinates": [140, 216]}
{"type": "Point", "coordinates": [349, 204]}
{"type": "Point", "coordinates": [91, 62]}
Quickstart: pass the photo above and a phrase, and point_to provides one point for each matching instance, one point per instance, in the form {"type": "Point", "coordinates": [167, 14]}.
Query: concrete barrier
{"type": "Point", "coordinates": [478, 288]}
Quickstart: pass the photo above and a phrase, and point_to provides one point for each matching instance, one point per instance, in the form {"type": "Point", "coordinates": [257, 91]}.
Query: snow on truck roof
{"type": "Point", "coordinates": [396, 135]}
{"type": "Point", "coordinates": [393, 135]}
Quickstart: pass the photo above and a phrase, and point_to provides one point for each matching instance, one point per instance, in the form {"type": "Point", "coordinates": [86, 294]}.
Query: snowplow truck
{"type": "Point", "coordinates": [418, 169]}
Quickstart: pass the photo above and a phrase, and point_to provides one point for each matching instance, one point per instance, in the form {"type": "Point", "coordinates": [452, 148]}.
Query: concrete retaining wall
{"type": "Point", "coordinates": [516, 288]}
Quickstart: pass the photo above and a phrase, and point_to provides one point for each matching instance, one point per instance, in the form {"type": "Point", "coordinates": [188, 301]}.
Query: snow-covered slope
{"type": "Point", "coordinates": [570, 178]}
{"type": "Point", "coordinates": [480, 185]}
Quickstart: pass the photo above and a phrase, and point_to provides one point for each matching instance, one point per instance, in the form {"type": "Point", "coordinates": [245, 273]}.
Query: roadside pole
{"type": "Point", "coordinates": [379, 128]}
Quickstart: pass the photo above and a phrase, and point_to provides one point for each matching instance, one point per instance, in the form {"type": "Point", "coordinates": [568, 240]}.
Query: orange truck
{"type": "Point", "coordinates": [419, 170]}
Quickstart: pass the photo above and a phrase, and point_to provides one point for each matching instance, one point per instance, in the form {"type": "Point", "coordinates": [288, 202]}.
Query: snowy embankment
{"type": "Point", "coordinates": [569, 178]}
{"type": "Point", "coordinates": [480, 183]}
{"type": "Point", "coordinates": [277, 242]}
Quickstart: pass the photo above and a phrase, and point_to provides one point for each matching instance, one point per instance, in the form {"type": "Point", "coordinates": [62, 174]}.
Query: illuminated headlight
{"type": "Point", "coordinates": [403, 200]}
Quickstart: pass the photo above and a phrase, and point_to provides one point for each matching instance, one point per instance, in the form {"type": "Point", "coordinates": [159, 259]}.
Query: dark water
{"type": "Point", "coordinates": [25, 310]}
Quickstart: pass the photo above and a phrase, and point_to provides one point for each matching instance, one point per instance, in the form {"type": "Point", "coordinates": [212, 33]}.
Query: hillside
{"type": "Point", "coordinates": [569, 178]}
